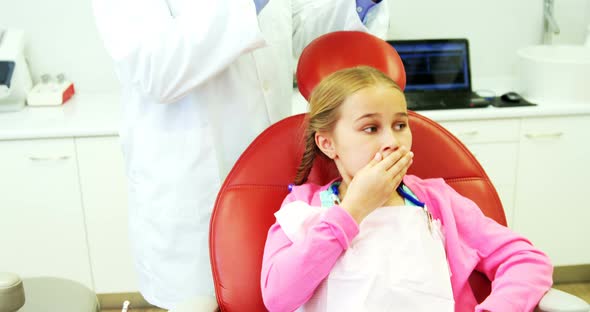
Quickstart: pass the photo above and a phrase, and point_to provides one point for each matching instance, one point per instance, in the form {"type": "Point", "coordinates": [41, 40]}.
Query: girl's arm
{"type": "Point", "coordinates": [292, 270]}
{"type": "Point", "coordinates": [520, 273]}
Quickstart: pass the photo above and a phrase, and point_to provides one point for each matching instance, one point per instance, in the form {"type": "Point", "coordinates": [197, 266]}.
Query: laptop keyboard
{"type": "Point", "coordinates": [444, 100]}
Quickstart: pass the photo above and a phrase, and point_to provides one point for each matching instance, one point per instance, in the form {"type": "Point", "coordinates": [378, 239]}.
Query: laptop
{"type": "Point", "coordinates": [438, 74]}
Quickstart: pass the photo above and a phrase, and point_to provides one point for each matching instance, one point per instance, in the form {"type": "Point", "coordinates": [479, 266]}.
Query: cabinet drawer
{"type": "Point", "coordinates": [104, 194]}
{"type": "Point", "coordinates": [37, 153]}
{"type": "Point", "coordinates": [484, 131]}
{"type": "Point", "coordinates": [553, 172]}
{"type": "Point", "coordinates": [41, 219]}
{"type": "Point", "coordinates": [499, 161]}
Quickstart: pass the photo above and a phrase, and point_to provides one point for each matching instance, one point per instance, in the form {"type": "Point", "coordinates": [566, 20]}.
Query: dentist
{"type": "Point", "coordinates": [200, 80]}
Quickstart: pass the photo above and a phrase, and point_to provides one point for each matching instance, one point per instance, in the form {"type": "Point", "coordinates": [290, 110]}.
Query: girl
{"type": "Point", "coordinates": [377, 240]}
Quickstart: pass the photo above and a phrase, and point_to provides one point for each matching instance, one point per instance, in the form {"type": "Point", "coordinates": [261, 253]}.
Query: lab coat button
{"type": "Point", "coordinates": [265, 86]}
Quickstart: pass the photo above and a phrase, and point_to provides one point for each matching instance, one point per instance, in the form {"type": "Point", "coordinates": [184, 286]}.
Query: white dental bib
{"type": "Point", "coordinates": [395, 263]}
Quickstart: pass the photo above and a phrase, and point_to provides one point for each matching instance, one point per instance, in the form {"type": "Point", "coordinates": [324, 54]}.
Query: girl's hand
{"type": "Point", "coordinates": [373, 185]}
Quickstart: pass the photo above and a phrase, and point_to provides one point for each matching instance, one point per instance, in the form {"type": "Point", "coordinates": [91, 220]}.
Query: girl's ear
{"type": "Point", "coordinates": [326, 144]}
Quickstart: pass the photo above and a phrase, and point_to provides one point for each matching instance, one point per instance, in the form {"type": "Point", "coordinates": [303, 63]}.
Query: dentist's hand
{"type": "Point", "coordinates": [373, 185]}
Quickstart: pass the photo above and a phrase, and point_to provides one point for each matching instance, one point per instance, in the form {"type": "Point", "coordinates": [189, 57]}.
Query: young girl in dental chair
{"type": "Point", "coordinates": [377, 239]}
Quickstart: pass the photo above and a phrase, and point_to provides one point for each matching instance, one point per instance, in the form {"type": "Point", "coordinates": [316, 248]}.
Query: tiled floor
{"type": "Point", "coordinates": [114, 303]}
{"type": "Point", "coordinates": [135, 310]}
{"type": "Point", "coordinates": [581, 290]}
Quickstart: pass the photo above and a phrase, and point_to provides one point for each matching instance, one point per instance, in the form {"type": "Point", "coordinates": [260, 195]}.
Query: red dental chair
{"type": "Point", "coordinates": [255, 188]}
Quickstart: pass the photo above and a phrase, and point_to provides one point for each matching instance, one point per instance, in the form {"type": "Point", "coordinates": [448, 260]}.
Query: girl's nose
{"type": "Point", "coordinates": [389, 143]}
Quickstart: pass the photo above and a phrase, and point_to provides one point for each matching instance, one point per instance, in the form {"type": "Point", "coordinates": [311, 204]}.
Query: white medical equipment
{"type": "Point", "coordinates": [51, 92]}
{"type": "Point", "coordinates": [15, 79]}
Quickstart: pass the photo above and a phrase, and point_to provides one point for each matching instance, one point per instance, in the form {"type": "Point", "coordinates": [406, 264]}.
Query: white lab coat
{"type": "Point", "coordinates": [200, 80]}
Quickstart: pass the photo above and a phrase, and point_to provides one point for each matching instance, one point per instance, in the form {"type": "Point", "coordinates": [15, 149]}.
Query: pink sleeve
{"type": "Point", "coordinates": [292, 271]}
{"type": "Point", "coordinates": [521, 274]}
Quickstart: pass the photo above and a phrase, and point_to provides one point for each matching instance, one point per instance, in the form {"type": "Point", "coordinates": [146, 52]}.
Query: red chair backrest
{"type": "Point", "coordinates": [342, 49]}
{"type": "Point", "coordinates": [258, 183]}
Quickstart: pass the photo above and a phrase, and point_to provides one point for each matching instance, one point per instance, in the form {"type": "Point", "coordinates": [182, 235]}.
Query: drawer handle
{"type": "Point", "coordinates": [534, 136]}
{"type": "Point", "coordinates": [469, 133]}
{"type": "Point", "coordinates": [33, 158]}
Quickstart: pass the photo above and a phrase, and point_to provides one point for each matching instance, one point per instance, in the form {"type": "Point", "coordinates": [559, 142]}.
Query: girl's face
{"type": "Point", "coordinates": [372, 120]}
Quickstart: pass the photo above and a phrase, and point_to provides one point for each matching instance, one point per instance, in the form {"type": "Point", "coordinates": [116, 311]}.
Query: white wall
{"type": "Point", "coordinates": [573, 17]}
{"type": "Point", "coordinates": [495, 29]}
{"type": "Point", "coordinates": [63, 38]}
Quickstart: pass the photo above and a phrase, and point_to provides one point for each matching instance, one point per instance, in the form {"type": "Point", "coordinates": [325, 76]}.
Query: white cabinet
{"type": "Point", "coordinates": [41, 218]}
{"type": "Point", "coordinates": [541, 169]}
{"type": "Point", "coordinates": [552, 208]}
{"type": "Point", "coordinates": [63, 202]}
{"type": "Point", "coordinates": [104, 194]}
{"type": "Point", "coordinates": [495, 145]}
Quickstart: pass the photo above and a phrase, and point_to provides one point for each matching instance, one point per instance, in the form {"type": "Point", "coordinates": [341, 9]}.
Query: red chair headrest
{"type": "Point", "coordinates": [343, 49]}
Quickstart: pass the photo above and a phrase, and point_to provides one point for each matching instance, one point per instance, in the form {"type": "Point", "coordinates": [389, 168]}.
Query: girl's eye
{"type": "Point", "coordinates": [371, 129]}
{"type": "Point", "coordinates": [400, 126]}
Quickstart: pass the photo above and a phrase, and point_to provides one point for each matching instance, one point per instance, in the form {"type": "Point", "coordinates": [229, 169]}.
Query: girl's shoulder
{"type": "Point", "coordinates": [424, 185]}
{"type": "Point", "coordinates": [435, 192]}
{"type": "Point", "coordinates": [307, 192]}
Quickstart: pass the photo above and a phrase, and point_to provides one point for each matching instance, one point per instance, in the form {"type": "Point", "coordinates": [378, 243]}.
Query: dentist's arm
{"type": "Point", "coordinates": [165, 56]}
{"type": "Point", "coordinates": [364, 6]}
{"type": "Point", "coordinates": [313, 18]}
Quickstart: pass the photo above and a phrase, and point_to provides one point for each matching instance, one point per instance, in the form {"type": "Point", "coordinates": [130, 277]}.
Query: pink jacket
{"type": "Point", "coordinates": [521, 274]}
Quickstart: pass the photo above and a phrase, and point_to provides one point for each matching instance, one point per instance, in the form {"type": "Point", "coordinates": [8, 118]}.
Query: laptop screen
{"type": "Point", "coordinates": [6, 69]}
{"type": "Point", "coordinates": [437, 64]}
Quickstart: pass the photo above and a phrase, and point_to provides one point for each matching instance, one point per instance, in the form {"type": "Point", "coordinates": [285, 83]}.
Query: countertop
{"type": "Point", "coordinates": [99, 114]}
{"type": "Point", "coordinates": [90, 114]}
{"type": "Point", "coordinates": [490, 112]}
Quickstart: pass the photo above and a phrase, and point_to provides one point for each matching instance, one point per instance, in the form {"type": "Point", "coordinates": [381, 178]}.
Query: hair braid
{"type": "Point", "coordinates": [308, 157]}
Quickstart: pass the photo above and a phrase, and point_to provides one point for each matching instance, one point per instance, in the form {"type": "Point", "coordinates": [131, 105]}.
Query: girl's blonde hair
{"type": "Point", "coordinates": [324, 106]}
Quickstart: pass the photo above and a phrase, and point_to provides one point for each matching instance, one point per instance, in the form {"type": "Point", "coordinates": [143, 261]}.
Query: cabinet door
{"type": "Point", "coordinates": [499, 161]}
{"type": "Point", "coordinates": [42, 224]}
{"type": "Point", "coordinates": [553, 173]}
{"type": "Point", "coordinates": [495, 145]}
{"type": "Point", "coordinates": [104, 194]}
